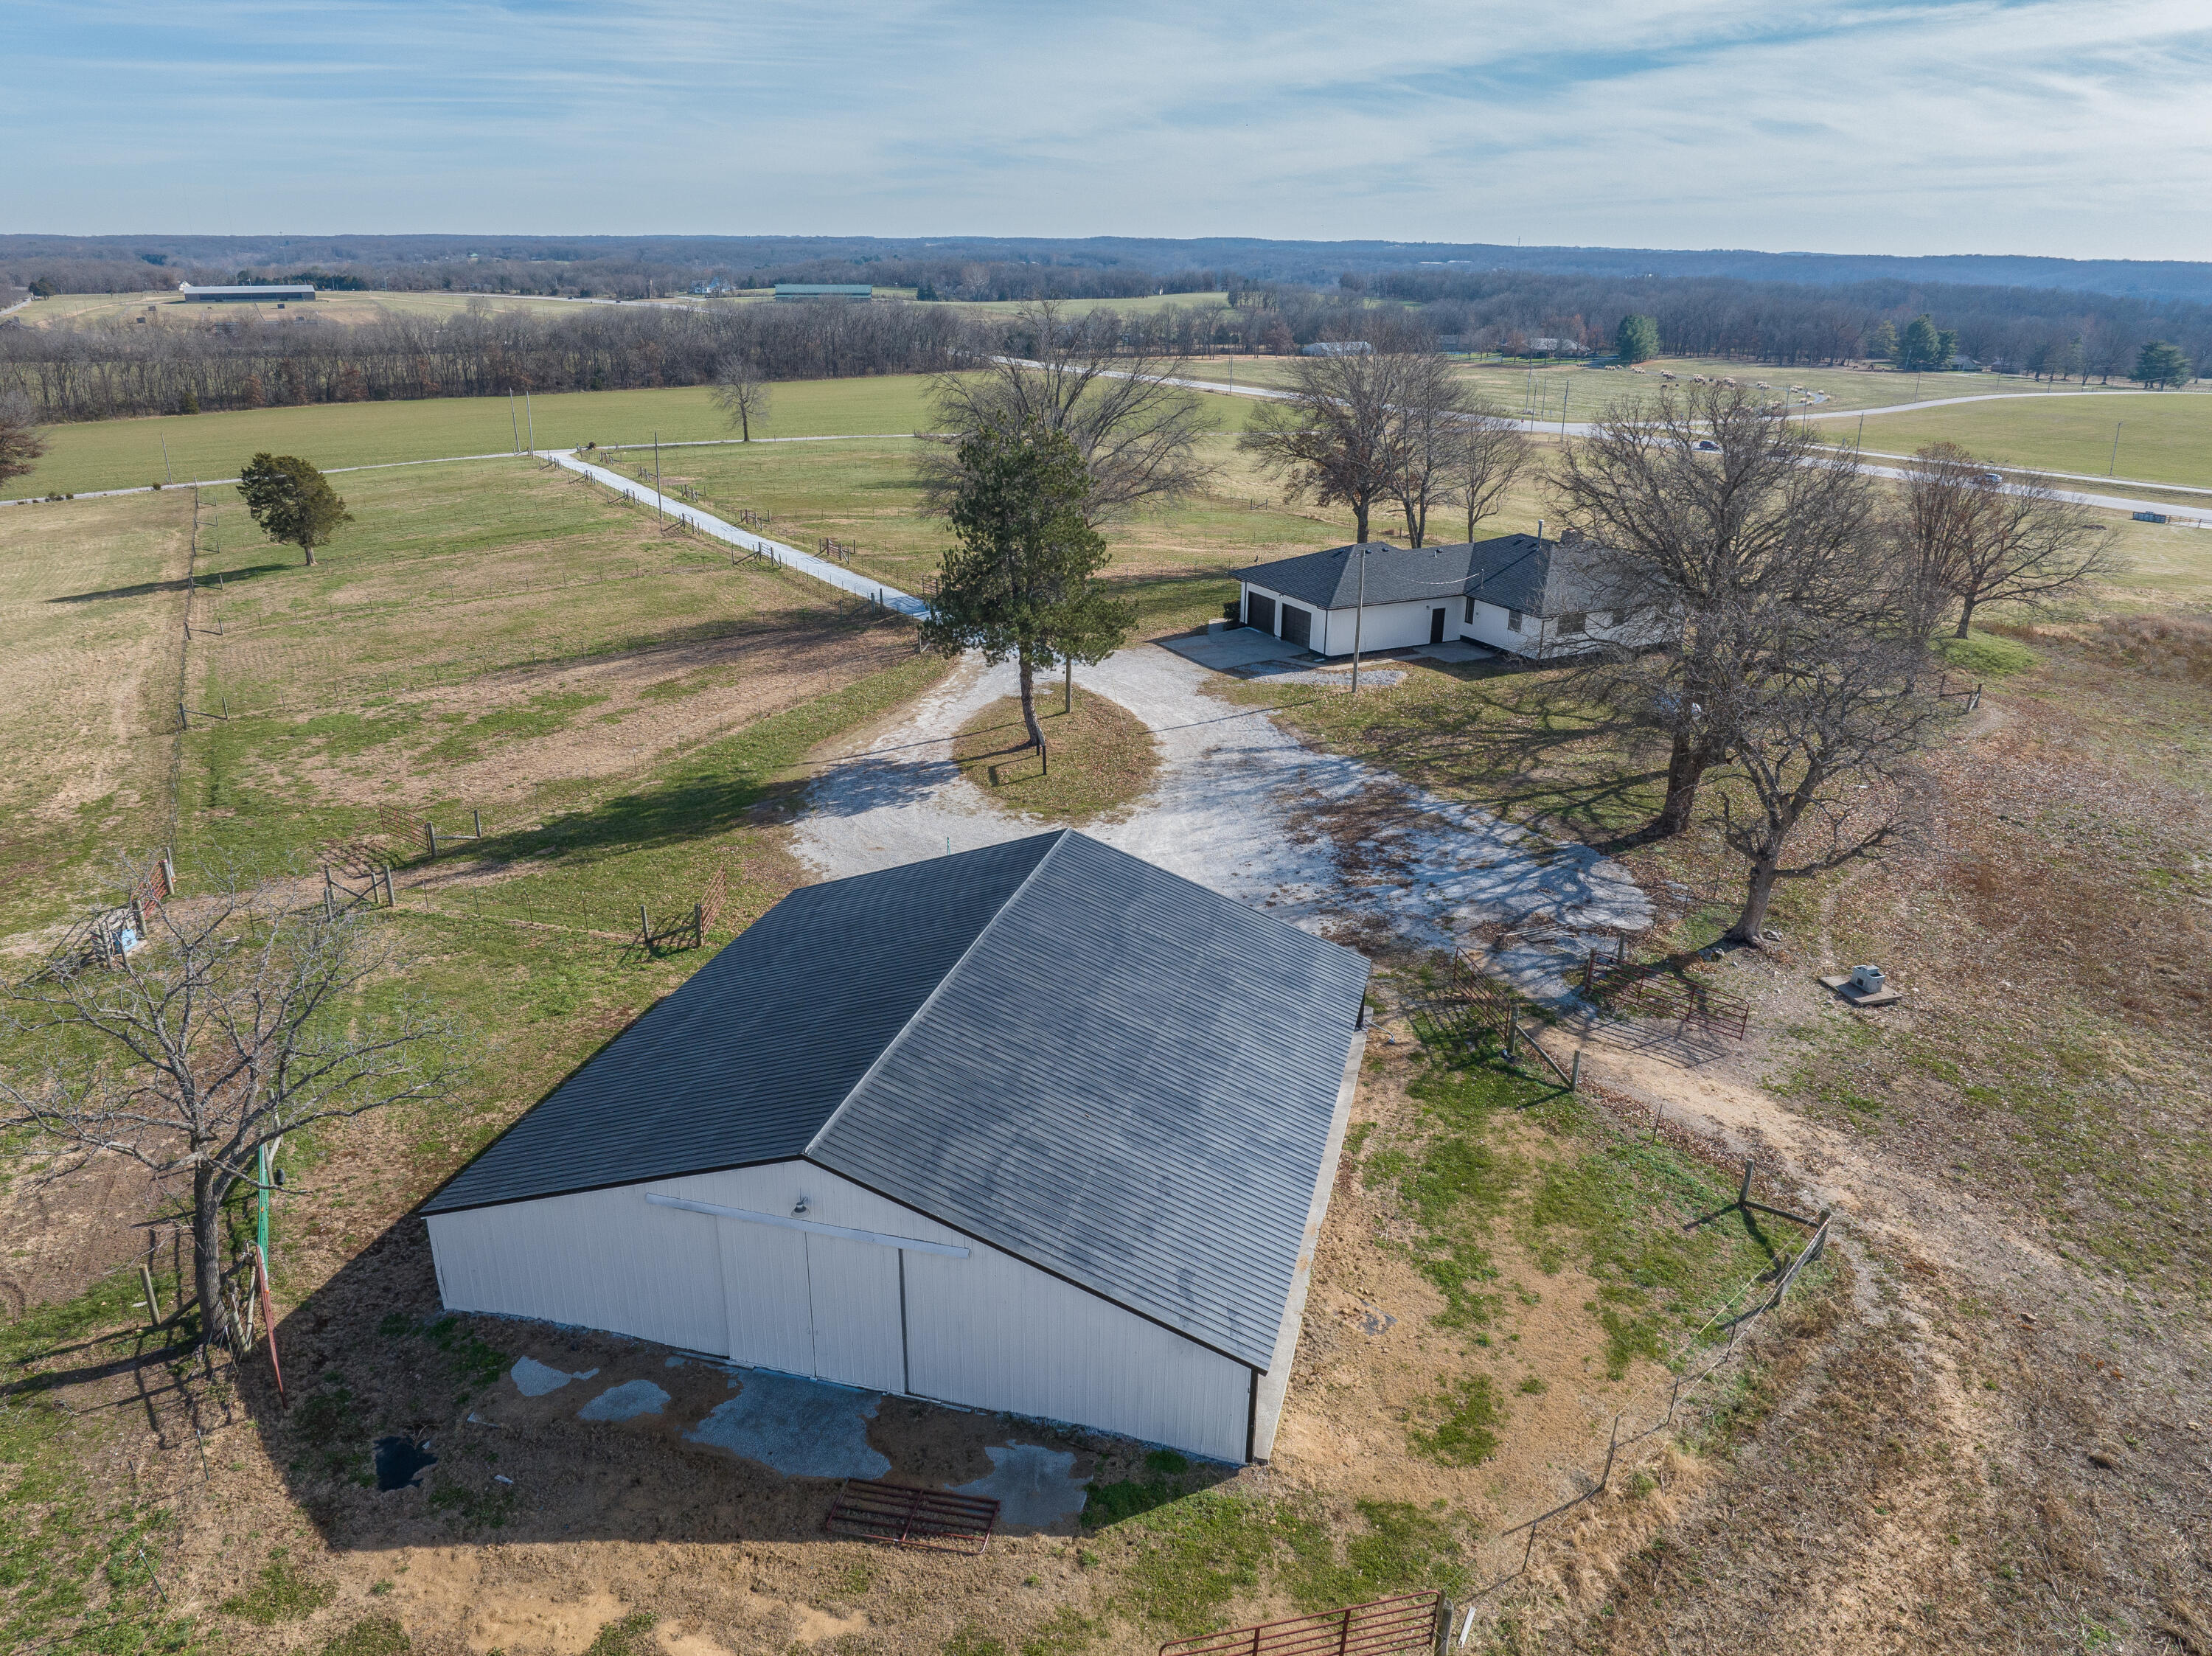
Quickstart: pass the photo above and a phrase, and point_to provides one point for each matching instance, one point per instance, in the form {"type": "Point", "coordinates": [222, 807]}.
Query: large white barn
{"type": "Point", "coordinates": [1039, 1128]}
{"type": "Point", "coordinates": [1524, 594]}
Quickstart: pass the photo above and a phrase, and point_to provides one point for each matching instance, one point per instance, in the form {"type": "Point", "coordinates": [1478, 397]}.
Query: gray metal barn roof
{"type": "Point", "coordinates": [1053, 1046]}
{"type": "Point", "coordinates": [1519, 572]}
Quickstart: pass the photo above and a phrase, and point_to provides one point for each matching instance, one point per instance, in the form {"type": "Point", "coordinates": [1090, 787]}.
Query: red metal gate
{"type": "Point", "coordinates": [1411, 1624]}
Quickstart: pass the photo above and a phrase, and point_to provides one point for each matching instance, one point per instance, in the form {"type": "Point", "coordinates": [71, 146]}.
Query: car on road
{"type": "Point", "coordinates": [1706, 445]}
{"type": "Point", "coordinates": [1993, 477]}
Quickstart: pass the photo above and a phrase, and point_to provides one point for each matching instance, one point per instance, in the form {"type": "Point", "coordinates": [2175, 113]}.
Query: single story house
{"type": "Point", "coordinates": [1527, 594]}
{"type": "Point", "coordinates": [248, 294]}
{"type": "Point", "coordinates": [1039, 1128]}
{"type": "Point", "coordinates": [792, 291]}
{"type": "Point", "coordinates": [1337, 348]}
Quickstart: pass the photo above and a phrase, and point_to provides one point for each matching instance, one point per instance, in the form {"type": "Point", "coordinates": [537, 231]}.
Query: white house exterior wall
{"type": "Point", "coordinates": [1388, 626]}
{"type": "Point", "coordinates": [988, 1331]}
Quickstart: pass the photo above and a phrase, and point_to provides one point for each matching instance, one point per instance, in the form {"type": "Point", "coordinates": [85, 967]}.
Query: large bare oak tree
{"type": "Point", "coordinates": [1713, 511]}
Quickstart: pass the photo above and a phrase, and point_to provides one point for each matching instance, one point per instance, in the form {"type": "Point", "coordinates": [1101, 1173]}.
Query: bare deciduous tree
{"type": "Point", "coordinates": [1338, 437]}
{"type": "Point", "coordinates": [1762, 518]}
{"type": "Point", "coordinates": [1985, 541]}
{"type": "Point", "coordinates": [1493, 453]}
{"type": "Point", "coordinates": [237, 1020]}
{"type": "Point", "coordinates": [1826, 732]}
{"type": "Point", "coordinates": [1431, 413]}
{"type": "Point", "coordinates": [1137, 432]}
{"type": "Point", "coordinates": [21, 442]}
{"type": "Point", "coordinates": [741, 391]}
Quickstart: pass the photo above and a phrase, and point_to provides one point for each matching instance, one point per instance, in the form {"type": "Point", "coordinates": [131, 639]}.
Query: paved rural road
{"type": "Point", "coordinates": [1583, 429]}
{"type": "Point", "coordinates": [1242, 808]}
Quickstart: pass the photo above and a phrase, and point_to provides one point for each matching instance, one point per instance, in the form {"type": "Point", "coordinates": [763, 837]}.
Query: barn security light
{"type": "Point", "coordinates": [798, 1208]}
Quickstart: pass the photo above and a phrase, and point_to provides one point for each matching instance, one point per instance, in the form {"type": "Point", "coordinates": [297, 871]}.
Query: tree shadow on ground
{"type": "Point", "coordinates": [152, 588]}
{"type": "Point", "coordinates": [622, 1441]}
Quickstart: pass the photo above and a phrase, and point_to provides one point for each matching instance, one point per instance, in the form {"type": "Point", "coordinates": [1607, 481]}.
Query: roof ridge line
{"type": "Point", "coordinates": [1060, 837]}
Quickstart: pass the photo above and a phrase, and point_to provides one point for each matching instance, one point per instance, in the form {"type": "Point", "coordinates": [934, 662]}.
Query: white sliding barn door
{"type": "Point", "coordinates": [764, 1273]}
{"type": "Point", "coordinates": [858, 1339]}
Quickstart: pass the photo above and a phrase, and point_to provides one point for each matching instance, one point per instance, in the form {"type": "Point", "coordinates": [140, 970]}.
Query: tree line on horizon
{"type": "Point", "coordinates": [226, 359]}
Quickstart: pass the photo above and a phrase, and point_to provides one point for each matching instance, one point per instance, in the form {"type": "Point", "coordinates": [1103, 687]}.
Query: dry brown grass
{"type": "Point", "coordinates": [1101, 757]}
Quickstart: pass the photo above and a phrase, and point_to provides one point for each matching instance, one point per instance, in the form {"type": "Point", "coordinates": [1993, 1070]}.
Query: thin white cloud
{"type": "Point", "coordinates": [1928, 125]}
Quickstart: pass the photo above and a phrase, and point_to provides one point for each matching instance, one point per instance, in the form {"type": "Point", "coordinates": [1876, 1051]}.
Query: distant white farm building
{"type": "Point", "coordinates": [1337, 348]}
{"type": "Point", "coordinates": [1521, 593]}
{"type": "Point", "coordinates": [248, 294]}
{"type": "Point", "coordinates": [796, 292]}
{"type": "Point", "coordinates": [1039, 1128]}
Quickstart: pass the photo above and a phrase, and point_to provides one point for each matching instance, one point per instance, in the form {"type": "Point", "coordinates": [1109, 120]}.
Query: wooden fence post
{"type": "Point", "coordinates": [431, 828]}
{"type": "Point", "coordinates": [153, 1304]}
{"type": "Point", "coordinates": [644, 929]}
{"type": "Point", "coordinates": [699, 925]}
{"type": "Point", "coordinates": [477, 816]}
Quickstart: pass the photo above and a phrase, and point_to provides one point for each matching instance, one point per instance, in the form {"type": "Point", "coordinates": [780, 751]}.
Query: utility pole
{"type": "Point", "coordinates": [1358, 614]}
{"type": "Point", "coordinates": [166, 475]}
{"type": "Point", "coordinates": [1566, 388]}
{"type": "Point", "coordinates": [531, 418]}
{"type": "Point", "coordinates": [512, 426]}
{"type": "Point", "coordinates": [656, 475]}
{"type": "Point", "coordinates": [2113, 470]}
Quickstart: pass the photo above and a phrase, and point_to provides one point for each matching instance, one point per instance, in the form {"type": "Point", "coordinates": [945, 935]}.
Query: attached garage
{"type": "Point", "coordinates": [1039, 1128]}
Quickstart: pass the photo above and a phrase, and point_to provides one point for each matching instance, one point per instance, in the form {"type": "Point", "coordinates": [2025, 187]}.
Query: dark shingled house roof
{"type": "Point", "coordinates": [1057, 1048]}
{"type": "Point", "coordinates": [1517, 572]}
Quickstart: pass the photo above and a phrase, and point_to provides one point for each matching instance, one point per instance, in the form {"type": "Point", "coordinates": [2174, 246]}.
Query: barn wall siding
{"type": "Point", "coordinates": [988, 1331]}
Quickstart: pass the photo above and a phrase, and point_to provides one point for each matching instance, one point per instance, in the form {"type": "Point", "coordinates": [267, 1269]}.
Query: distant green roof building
{"type": "Point", "coordinates": [798, 290]}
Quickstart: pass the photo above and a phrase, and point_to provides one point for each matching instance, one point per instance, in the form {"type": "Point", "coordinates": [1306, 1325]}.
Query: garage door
{"type": "Point", "coordinates": [1260, 612]}
{"type": "Point", "coordinates": [1297, 625]}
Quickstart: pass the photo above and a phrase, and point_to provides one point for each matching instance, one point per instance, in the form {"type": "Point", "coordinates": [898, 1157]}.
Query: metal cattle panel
{"type": "Point", "coordinates": [1412, 1622]}
{"type": "Point", "coordinates": [901, 1517]}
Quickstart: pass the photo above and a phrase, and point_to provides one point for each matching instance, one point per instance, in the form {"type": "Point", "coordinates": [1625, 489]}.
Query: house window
{"type": "Point", "coordinates": [1470, 609]}
{"type": "Point", "coordinates": [1572, 621]}
{"type": "Point", "coordinates": [1512, 621]}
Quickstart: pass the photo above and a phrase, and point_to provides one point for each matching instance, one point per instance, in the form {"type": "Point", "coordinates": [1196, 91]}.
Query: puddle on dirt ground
{"type": "Point", "coordinates": [625, 1401]}
{"type": "Point", "coordinates": [400, 1461]}
{"type": "Point", "coordinates": [534, 1379]}
{"type": "Point", "coordinates": [1035, 1488]}
{"type": "Point", "coordinates": [802, 1429]}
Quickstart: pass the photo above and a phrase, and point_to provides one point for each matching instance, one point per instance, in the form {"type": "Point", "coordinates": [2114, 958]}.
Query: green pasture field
{"type": "Point", "coordinates": [127, 453]}
{"type": "Point", "coordinates": [1177, 562]}
{"type": "Point", "coordinates": [2164, 436]}
{"type": "Point", "coordinates": [472, 616]}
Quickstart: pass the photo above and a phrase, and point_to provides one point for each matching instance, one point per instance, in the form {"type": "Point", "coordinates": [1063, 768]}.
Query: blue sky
{"type": "Point", "coordinates": [1897, 126]}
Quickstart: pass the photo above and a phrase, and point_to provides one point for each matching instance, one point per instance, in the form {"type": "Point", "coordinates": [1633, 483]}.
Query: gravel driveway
{"type": "Point", "coordinates": [1242, 808]}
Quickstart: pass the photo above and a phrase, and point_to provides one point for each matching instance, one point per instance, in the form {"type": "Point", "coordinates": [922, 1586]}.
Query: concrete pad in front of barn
{"type": "Point", "coordinates": [800, 1428]}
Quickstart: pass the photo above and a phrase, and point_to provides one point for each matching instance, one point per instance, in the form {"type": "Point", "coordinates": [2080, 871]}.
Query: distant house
{"type": "Point", "coordinates": [1549, 346]}
{"type": "Point", "coordinates": [248, 294]}
{"type": "Point", "coordinates": [1532, 597]}
{"type": "Point", "coordinates": [1337, 348]}
{"type": "Point", "coordinates": [794, 292]}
